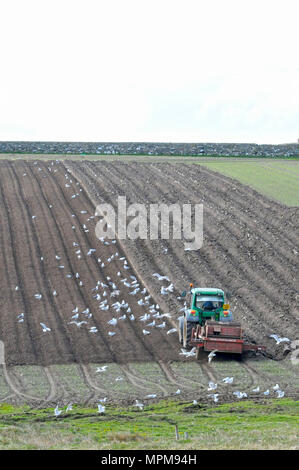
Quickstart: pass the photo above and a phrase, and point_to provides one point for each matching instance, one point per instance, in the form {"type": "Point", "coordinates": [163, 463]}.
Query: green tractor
{"type": "Point", "coordinates": [206, 304]}
{"type": "Point", "coordinates": [208, 324]}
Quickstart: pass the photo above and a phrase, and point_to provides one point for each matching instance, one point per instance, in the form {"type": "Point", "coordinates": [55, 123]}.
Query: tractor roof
{"type": "Point", "coordinates": [207, 291]}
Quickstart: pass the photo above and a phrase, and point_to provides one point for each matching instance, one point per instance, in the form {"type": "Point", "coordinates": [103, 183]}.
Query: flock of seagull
{"type": "Point", "coordinates": [108, 295]}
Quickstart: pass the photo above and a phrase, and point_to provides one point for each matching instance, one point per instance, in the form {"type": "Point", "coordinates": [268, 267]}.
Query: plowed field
{"type": "Point", "coordinates": [55, 271]}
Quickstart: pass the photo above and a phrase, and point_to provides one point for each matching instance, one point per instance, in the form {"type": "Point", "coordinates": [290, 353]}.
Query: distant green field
{"type": "Point", "coordinates": [277, 179]}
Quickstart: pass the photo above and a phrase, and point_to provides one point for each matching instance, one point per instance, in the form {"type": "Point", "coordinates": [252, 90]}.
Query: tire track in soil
{"type": "Point", "coordinates": [15, 389]}
{"type": "Point", "coordinates": [134, 373]}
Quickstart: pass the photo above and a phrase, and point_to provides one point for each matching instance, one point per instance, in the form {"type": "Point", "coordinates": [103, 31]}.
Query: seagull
{"type": "Point", "coordinates": [160, 278]}
{"type": "Point", "coordinates": [57, 412]}
{"type": "Point", "coordinates": [173, 330]}
{"type": "Point", "coordinates": [162, 325]}
{"type": "Point", "coordinates": [54, 293]}
{"type": "Point", "coordinates": [267, 392]}
{"type": "Point", "coordinates": [256, 390]}
{"type": "Point", "coordinates": [152, 323]}
{"type": "Point", "coordinates": [240, 394]}
{"type": "Point", "coordinates": [188, 353]}
{"type": "Point", "coordinates": [119, 379]}
{"type": "Point", "coordinates": [45, 328]}
{"type": "Point", "coordinates": [101, 369]}
{"type": "Point", "coordinates": [139, 405]}
{"type": "Point", "coordinates": [69, 407]}
{"type": "Point", "coordinates": [145, 317]}
{"type": "Point", "coordinates": [211, 355]}
{"type": "Point", "coordinates": [38, 296]}
{"type": "Point", "coordinates": [103, 400]}
{"type": "Point", "coordinates": [145, 332]}
{"type": "Point", "coordinates": [228, 380]}
{"type": "Point", "coordinates": [212, 386]}
{"type": "Point", "coordinates": [276, 387]}
{"type": "Point", "coordinates": [132, 318]}
{"type": "Point", "coordinates": [78, 323]}
{"type": "Point", "coordinates": [151, 396]}
{"type": "Point", "coordinates": [113, 321]}
{"type": "Point", "coordinates": [214, 396]}
{"type": "Point", "coordinates": [280, 393]}
{"type": "Point", "coordinates": [195, 402]}
{"type": "Point", "coordinates": [279, 340]}
{"type": "Point", "coordinates": [101, 409]}
{"type": "Point", "coordinates": [111, 333]}
{"type": "Point", "coordinates": [178, 392]}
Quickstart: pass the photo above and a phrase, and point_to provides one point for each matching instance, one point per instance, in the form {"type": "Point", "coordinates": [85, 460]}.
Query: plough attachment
{"type": "Point", "coordinates": [224, 337]}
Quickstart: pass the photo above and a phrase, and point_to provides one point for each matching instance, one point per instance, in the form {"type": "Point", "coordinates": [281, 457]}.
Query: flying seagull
{"type": "Point", "coordinates": [211, 355]}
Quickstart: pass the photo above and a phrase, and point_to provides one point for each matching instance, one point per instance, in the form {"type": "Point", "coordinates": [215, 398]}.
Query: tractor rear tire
{"type": "Point", "coordinates": [187, 333]}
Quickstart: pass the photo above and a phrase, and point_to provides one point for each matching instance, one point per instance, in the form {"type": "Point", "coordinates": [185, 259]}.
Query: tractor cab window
{"type": "Point", "coordinates": [208, 303]}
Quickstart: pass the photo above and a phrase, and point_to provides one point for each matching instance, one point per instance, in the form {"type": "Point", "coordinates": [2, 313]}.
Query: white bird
{"type": "Point", "coordinates": [256, 390]}
{"type": "Point", "coordinates": [141, 302]}
{"type": "Point", "coordinates": [195, 402]}
{"type": "Point", "coordinates": [103, 400]}
{"type": "Point", "coordinates": [178, 392]}
{"type": "Point", "coordinates": [101, 369]}
{"type": "Point", "coordinates": [214, 396]}
{"type": "Point", "coordinates": [139, 405]}
{"type": "Point", "coordinates": [57, 412]}
{"type": "Point", "coordinates": [123, 317]}
{"type": "Point", "coordinates": [173, 330]}
{"type": "Point", "coordinates": [276, 387]}
{"type": "Point", "coordinates": [132, 318]}
{"type": "Point", "coordinates": [280, 393]}
{"type": "Point", "coordinates": [145, 317]}
{"type": "Point", "coordinates": [188, 353]}
{"type": "Point", "coordinates": [145, 332]}
{"type": "Point", "coordinates": [57, 257]}
{"type": "Point", "coordinates": [45, 328]}
{"type": "Point", "coordinates": [228, 380]}
{"type": "Point", "coordinates": [101, 409]}
{"type": "Point", "coordinates": [111, 333]}
{"type": "Point", "coordinates": [267, 392]}
{"type": "Point", "coordinates": [93, 329]}
{"type": "Point", "coordinates": [54, 293]}
{"type": "Point", "coordinates": [69, 407]}
{"type": "Point", "coordinates": [118, 379]}
{"type": "Point", "coordinates": [152, 323]}
{"type": "Point", "coordinates": [279, 340]}
{"type": "Point", "coordinates": [160, 278]}
{"type": "Point", "coordinates": [212, 354]}
{"type": "Point", "coordinates": [151, 396]}
{"type": "Point", "coordinates": [78, 323]}
{"type": "Point", "coordinates": [240, 394]}
{"type": "Point", "coordinates": [113, 321]}
{"type": "Point", "coordinates": [38, 296]}
{"type": "Point", "coordinates": [162, 325]}
{"type": "Point", "coordinates": [212, 386]}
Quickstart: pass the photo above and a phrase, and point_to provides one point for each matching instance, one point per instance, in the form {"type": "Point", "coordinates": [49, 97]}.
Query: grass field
{"type": "Point", "coordinates": [277, 179]}
{"type": "Point", "coordinates": [272, 424]}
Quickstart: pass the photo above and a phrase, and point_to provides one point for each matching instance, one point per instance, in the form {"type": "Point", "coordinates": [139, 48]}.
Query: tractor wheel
{"type": "Point", "coordinates": [181, 330]}
{"type": "Point", "coordinates": [187, 333]}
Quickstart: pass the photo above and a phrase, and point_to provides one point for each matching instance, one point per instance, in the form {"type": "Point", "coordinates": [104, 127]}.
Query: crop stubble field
{"type": "Point", "coordinates": [250, 249]}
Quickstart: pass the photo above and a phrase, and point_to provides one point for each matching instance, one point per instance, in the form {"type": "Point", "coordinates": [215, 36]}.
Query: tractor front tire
{"type": "Point", "coordinates": [187, 333]}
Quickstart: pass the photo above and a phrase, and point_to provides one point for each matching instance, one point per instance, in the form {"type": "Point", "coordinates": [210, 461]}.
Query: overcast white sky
{"type": "Point", "coordinates": [136, 70]}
